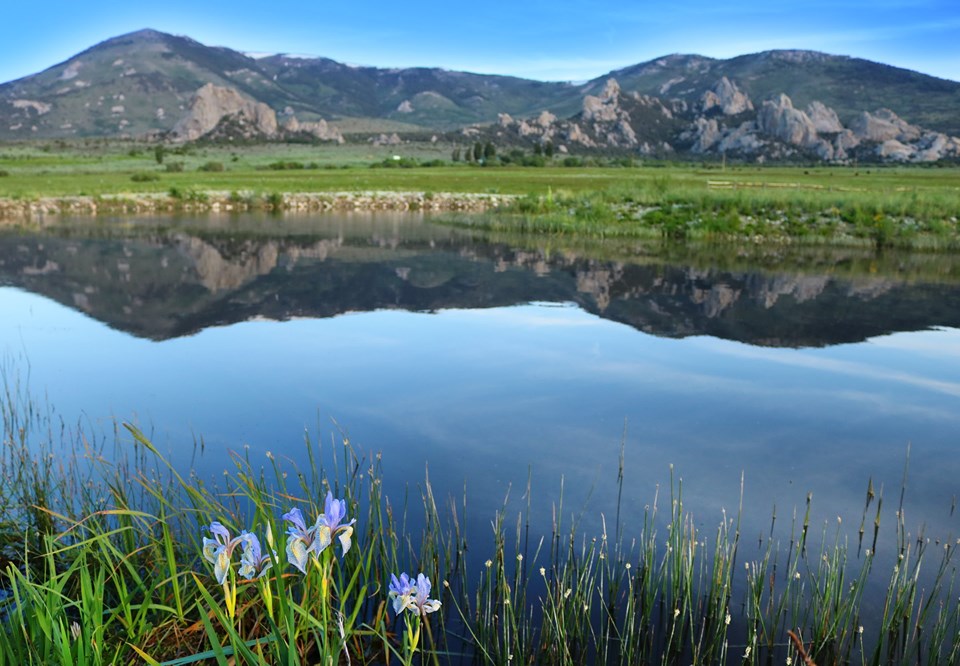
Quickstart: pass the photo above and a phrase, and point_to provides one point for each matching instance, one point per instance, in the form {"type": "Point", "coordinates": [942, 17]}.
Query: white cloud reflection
{"type": "Point", "coordinates": [813, 360]}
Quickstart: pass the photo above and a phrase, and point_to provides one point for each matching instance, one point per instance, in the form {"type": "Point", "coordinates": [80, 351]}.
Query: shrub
{"type": "Point", "coordinates": [174, 167]}
{"type": "Point", "coordinates": [144, 177]}
{"type": "Point", "coordinates": [287, 165]}
{"type": "Point", "coordinates": [211, 166]}
{"type": "Point", "coordinates": [275, 201]}
{"type": "Point", "coordinates": [188, 195]}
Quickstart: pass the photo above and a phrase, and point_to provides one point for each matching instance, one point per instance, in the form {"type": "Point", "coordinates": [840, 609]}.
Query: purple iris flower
{"type": "Point", "coordinates": [304, 543]}
{"type": "Point", "coordinates": [301, 540]}
{"type": "Point", "coordinates": [400, 590]}
{"type": "Point", "coordinates": [334, 511]}
{"type": "Point", "coordinates": [411, 595]}
{"type": "Point", "coordinates": [219, 550]}
{"type": "Point", "coordinates": [253, 562]}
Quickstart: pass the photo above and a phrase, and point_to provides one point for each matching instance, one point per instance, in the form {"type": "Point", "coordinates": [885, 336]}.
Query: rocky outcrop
{"type": "Point", "coordinates": [38, 108]}
{"type": "Point", "coordinates": [934, 146]}
{"type": "Point", "coordinates": [780, 120]}
{"type": "Point", "coordinates": [727, 98]}
{"type": "Point", "coordinates": [602, 108]}
{"type": "Point", "coordinates": [546, 119]}
{"type": "Point", "coordinates": [883, 125]}
{"type": "Point", "coordinates": [609, 121]}
{"type": "Point", "coordinates": [602, 122]}
{"type": "Point", "coordinates": [824, 119]}
{"type": "Point", "coordinates": [575, 135]}
{"type": "Point", "coordinates": [646, 125]}
{"type": "Point", "coordinates": [708, 136]}
{"type": "Point", "coordinates": [897, 140]}
{"type": "Point", "coordinates": [318, 129]}
{"type": "Point", "coordinates": [212, 104]}
{"type": "Point", "coordinates": [704, 135]}
{"type": "Point", "coordinates": [386, 140]}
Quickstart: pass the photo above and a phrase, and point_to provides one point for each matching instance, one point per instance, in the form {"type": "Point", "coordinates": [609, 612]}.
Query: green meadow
{"type": "Point", "coordinates": [599, 197]}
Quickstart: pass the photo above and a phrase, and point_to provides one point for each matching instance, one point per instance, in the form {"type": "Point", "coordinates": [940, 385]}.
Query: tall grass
{"type": "Point", "coordinates": [681, 210]}
{"type": "Point", "coordinates": [102, 565]}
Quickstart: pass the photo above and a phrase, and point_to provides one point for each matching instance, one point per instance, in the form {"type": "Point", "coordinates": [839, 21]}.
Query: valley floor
{"type": "Point", "coordinates": [883, 205]}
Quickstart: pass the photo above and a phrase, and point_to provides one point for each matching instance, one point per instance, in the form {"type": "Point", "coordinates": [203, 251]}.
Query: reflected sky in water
{"type": "Point", "coordinates": [485, 395]}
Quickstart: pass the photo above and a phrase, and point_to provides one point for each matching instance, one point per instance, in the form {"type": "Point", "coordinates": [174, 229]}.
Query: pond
{"type": "Point", "coordinates": [497, 360]}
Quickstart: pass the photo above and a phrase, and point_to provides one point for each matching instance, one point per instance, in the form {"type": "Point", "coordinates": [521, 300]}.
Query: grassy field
{"type": "Point", "coordinates": [884, 206]}
{"type": "Point", "coordinates": [106, 168]}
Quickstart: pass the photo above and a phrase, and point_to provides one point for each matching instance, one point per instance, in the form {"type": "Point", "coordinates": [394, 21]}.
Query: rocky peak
{"type": "Point", "coordinates": [611, 91]}
{"type": "Point", "coordinates": [726, 97]}
{"type": "Point", "coordinates": [779, 119]}
{"type": "Point", "coordinates": [605, 107]}
{"type": "Point", "coordinates": [211, 104]}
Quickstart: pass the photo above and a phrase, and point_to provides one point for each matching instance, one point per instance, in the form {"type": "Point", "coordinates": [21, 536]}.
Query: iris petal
{"type": "Point", "coordinates": [221, 565]}
{"type": "Point", "coordinates": [323, 539]}
{"type": "Point", "coordinates": [295, 516]}
{"type": "Point", "coordinates": [210, 548]}
{"type": "Point", "coordinates": [217, 529]}
{"type": "Point", "coordinates": [344, 536]}
{"type": "Point", "coordinates": [297, 553]}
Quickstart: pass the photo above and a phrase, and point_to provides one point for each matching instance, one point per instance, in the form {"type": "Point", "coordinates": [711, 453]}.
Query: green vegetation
{"type": "Point", "coordinates": [732, 209]}
{"type": "Point", "coordinates": [599, 197]}
{"type": "Point", "coordinates": [104, 563]}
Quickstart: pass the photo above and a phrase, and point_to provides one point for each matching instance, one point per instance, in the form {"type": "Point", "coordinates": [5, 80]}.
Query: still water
{"type": "Point", "coordinates": [491, 360]}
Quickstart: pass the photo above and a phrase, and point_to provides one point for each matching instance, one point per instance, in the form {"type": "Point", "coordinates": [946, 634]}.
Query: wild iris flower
{"type": "Point", "coordinates": [411, 595]}
{"type": "Point", "coordinates": [334, 511]}
{"type": "Point", "coordinates": [400, 590]}
{"type": "Point", "coordinates": [301, 540]}
{"type": "Point", "coordinates": [305, 542]}
{"type": "Point", "coordinates": [219, 549]}
{"type": "Point", "coordinates": [253, 562]}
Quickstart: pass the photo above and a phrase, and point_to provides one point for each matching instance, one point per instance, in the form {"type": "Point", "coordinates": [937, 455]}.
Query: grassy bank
{"type": "Point", "coordinates": [104, 563]}
{"type": "Point", "coordinates": [759, 211]}
{"type": "Point", "coordinates": [880, 206]}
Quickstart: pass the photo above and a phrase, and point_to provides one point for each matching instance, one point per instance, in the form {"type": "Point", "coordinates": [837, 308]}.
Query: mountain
{"type": "Point", "coordinates": [725, 121]}
{"type": "Point", "coordinates": [144, 83]}
{"type": "Point", "coordinates": [129, 85]}
{"type": "Point", "coordinates": [429, 97]}
{"type": "Point", "coordinates": [171, 282]}
{"type": "Point", "coordinates": [848, 85]}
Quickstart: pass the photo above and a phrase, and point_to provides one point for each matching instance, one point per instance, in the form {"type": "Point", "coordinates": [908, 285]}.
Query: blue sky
{"type": "Point", "coordinates": [530, 38]}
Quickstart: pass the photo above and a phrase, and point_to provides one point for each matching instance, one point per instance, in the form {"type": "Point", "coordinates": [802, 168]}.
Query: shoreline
{"type": "Point", "coordinates": [196, 201]}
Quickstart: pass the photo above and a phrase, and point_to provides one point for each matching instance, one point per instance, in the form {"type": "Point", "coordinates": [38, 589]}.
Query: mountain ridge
{"type": "Point", "coordinates": [142, 84]}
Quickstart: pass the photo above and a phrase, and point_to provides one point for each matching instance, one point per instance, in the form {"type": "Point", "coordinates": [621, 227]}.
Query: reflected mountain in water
{"type": "Point", "coordinates": [161, 279]}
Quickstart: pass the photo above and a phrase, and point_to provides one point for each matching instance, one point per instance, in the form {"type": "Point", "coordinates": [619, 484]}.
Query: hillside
{"type": "Point", "coordinates": [848, 85]}
{"type": "Point", "coordinates": [143, 83]}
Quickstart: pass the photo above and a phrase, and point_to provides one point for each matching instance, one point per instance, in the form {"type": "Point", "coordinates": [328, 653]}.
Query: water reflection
{"type": "Point", "coordinates": [487, 358]}
{"type": "Point", "coordinates": [160, 280]}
